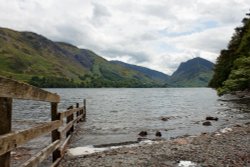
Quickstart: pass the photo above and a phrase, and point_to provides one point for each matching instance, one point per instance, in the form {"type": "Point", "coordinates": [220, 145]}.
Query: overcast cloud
{"type": "Point", "coordinates": [157, 34]}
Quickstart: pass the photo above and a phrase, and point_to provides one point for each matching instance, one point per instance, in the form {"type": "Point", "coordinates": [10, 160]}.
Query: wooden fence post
{"type": "Point", "coordinates": [78, 112]}
{"type": "Point", "coordinates": [55, 133]}
{"type": "Point", "coordinates": [69, 119]}
{"type": "Point", "coordinates": [5, 126]}
{"type": "Point", "coordinates": [84, 110]}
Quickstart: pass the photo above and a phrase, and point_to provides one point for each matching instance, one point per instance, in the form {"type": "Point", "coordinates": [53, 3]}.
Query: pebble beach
{"type": "Point", "coordinates": [228, 147]}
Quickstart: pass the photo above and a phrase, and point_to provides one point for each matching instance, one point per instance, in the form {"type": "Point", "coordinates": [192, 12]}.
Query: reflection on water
{"type": "Point", "coordinates": [118, 115]}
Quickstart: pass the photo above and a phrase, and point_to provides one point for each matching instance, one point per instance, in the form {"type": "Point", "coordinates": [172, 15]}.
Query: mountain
{"type": "Point", "coordinates": [196, 72]}
{"type": "Point", "coordinates": [32, 58]}
{"type": "Point", "coordinates": [152, 74]}
{"type": "Point", "coordinates": [232, 69]}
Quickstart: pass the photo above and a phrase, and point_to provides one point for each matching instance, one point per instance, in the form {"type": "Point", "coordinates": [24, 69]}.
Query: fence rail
{"type": "Point", "coordinates": [18, 90]}
{"type": "Point", "coordinates": [58, 127]}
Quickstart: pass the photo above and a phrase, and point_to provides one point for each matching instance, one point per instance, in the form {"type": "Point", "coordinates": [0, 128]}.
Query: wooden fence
{"type": "Point", "coordinates": [9, 140]}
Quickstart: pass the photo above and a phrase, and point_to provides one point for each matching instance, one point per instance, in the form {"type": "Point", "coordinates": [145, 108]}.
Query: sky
{"type": "Point", "coordinates": [158, 34]}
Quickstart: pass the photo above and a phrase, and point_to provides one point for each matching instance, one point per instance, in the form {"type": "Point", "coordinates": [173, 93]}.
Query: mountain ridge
{"type": "Point", "coordinates": [153, 74]}
{"type": "Point", "coordinates": [32, 58]}
{"type": "Point", "coordinates": [35, 59]}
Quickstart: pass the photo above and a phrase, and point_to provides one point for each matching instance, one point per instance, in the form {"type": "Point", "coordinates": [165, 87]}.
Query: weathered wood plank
{"type": "Point", "coordinates": [56, 163]}
{"type": "Point", "coordinates": [84, 103]}
{"type": "Point", "coordinates": [70, 124]}
{"type": "Point", "coordinates": [14, 139]}
{"type": "Point", "coordinates": [18, 90]}
{"type": "Point", "coordinates": [69, 119]}
{"type": "Point", "coordinates": [55, 134]}
{"type": "Point", "coordinates": [42, 155]}
{"type": "Point", "coordinates": [78, 112]}
{"type": "Point", "coordinates": [84, 110]}
{"type": "Point", "coordinates": [64, 145]}
{"type": "Point", "coordinates": [62, 150]}
{"type": "Point", "coordinates": [83, 113]}
{"type": "Point", "coordinates": [5, 126]}
{"type": "Point", "coordinates": [69, 112]}
{"type": "Point", "coordinates": [5, 115]}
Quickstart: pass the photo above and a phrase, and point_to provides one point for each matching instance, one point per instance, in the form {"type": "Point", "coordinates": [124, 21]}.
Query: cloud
{"type": "Point", "coordinates": [208, 41]}
{"type": "Point", "coordinates": [133, 56]}
{"type": "Point", "coordinates": [100, 14]}
{"type": "Point", "coordinates": [156, 34]}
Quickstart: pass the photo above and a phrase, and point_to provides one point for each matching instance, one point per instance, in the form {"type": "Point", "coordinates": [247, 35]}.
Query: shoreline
{"type": "Point", "coordinates": [23, 153]}
{"type": "Point", "coordinates": [225, 147]}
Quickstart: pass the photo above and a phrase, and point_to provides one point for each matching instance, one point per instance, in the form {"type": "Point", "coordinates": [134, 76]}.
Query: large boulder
{"type": "Point", "coordinates": [143, 133]}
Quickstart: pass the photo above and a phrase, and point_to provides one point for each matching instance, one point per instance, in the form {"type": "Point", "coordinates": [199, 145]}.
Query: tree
{"type": "Point", "coordinates": [231, 72]}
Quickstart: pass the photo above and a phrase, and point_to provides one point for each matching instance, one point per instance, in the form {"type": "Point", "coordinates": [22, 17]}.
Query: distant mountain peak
{"type": "Point", "coordinates": [195, 63]}
{"type": "Point", "coordinates": [194, 72]}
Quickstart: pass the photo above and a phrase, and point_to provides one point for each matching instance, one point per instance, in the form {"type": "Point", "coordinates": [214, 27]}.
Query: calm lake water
{"type": "Point", "coordinates": [118, 115]}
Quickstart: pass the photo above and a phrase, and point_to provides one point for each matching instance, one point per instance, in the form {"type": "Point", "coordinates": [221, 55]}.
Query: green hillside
{"type": "Point", "coordinates": [232, 69]}
{"type": "Point", "coordinates": [23, 55]}
{"type": "Point", "coordinates": [196, 72]}
{"type": "Point", "coordinates": [32, 58]}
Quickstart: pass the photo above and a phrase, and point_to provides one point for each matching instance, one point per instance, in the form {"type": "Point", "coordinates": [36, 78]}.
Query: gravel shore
{"type": "Point", "coordinates": [229, 147]}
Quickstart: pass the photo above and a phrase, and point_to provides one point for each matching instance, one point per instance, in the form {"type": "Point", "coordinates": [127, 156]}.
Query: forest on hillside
{"type": "Point", "coordinates": [232, 69]}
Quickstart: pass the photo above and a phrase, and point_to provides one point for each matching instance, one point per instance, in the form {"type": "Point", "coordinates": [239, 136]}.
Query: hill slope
{"type": "Point", "coordinates": [196, 72]}
{"type": "Point", "coordinates": [153, 74]}
{"type": "Point", "coordinates": [232, 69]}
{"type": "Point", "coordinates": [35, 59]}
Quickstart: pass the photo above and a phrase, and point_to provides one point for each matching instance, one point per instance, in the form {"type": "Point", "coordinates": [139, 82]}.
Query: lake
{"type": "Point", "coordinates": [118, 115]}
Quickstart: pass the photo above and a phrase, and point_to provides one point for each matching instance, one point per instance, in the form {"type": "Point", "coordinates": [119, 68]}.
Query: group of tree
{"type": "Point", "coordinates": [52, 82]}
{"type": "Point", "coordinates": [88, 81]}
{"type": "Point", "coordinates": [232, 69]}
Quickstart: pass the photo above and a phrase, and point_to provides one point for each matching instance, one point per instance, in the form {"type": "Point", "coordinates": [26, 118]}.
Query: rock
{"type": "Point", "coordinates": [207, 123]}
{"type": "Point", "coordinates": [131, 152]}
{"type": "Point", "coordinates": [181, 141]}
{"type": "Point", "coordinates": [70, 107]}
{"type": "Point", "coordinates": [226, 130]}
{"type": "Point", "coordinates": [143, 133]}
{"type": "Point", "coordinates": [114, 111]}
{"type": "Point", "coordinates": [165, 118]}
{"type": "Point", "coordinates": [217, 134]}
{"type": "Point", "coordinates": [158, 134]}
{"type": "Point", "coordinates": [212, 118]}
{"type": "Point", "coordinates": [174, 149]}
